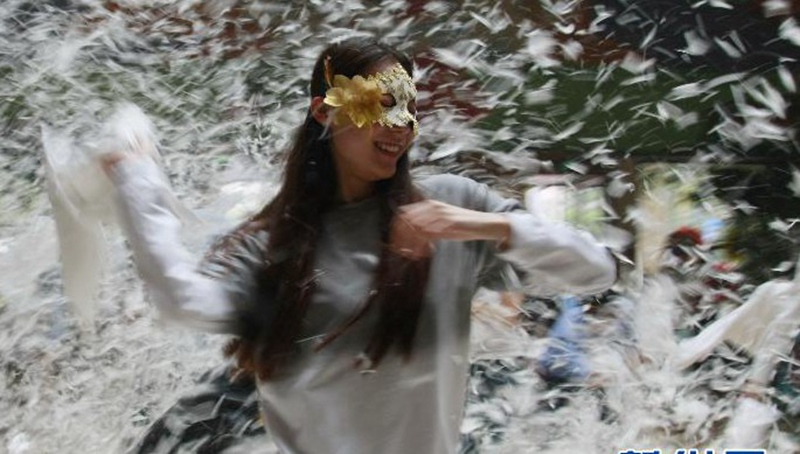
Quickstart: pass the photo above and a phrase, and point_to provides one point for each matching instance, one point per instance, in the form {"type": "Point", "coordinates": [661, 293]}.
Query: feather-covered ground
{"type": "Point", "coordinates": [505, 87]}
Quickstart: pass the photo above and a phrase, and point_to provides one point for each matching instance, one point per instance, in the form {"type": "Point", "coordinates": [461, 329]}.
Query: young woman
{"type": "Point", "coordinates": [349, 293]}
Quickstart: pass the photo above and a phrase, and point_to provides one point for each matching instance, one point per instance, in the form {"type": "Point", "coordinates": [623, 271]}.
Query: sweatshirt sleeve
{"type": "Point", "coordinates": [205, 300]}
{"type": "Point", "coordinates": [553, 257]}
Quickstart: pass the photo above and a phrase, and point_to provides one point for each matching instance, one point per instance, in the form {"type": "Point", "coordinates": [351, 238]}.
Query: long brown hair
{"type": "Point", "coordinates": [293, 220]}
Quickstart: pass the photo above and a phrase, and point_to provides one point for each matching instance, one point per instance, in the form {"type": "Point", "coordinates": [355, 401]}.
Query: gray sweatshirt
{"type": "Point", "coordinates": [323, 403]}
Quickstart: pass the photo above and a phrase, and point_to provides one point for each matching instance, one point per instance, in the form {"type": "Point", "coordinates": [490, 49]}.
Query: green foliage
{"type": "Point", "coordinates": [756, 247]}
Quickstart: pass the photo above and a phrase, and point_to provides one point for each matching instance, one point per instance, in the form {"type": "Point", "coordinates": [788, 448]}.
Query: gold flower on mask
{"type": "Point", "coordinates": [358, 98]}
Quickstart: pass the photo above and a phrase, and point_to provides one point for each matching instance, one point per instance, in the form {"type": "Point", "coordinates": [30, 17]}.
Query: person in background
{"type": "Point", "coordinates": [348, 295]}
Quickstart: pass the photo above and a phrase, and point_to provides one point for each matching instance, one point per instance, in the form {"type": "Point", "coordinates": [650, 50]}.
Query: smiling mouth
{"type": "Point", "coordinates": [391, 148]}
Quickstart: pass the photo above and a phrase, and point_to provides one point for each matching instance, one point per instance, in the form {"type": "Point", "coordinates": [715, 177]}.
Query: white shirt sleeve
{"type": "Point", "coordinates": [178, 288]}
{"type": "Point", "coordinates": [555, 257]}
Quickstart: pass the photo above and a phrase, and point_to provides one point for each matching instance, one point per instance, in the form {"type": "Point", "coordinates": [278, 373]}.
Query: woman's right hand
{"type": "Point", "coordinates": [110, 160]}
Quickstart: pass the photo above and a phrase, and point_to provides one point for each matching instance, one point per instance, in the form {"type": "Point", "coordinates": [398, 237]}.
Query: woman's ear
{"type": "Point", "coordinates": [320, 111]}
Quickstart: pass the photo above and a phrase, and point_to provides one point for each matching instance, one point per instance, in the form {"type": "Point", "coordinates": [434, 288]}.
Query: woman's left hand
{"type": "Point", "coordinates": [436, 220]}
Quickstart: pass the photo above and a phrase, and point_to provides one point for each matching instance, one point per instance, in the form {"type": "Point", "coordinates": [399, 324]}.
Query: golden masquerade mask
{"type": "Point", "coordinates": [360, 98]}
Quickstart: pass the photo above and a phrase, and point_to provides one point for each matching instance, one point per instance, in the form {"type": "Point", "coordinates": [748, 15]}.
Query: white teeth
{"type": "Point", "coordinates": [389, 147]}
